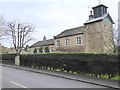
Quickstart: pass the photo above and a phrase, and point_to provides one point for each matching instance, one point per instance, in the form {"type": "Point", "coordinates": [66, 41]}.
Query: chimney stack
{"type": "Point", "coordinates": [90, 16]}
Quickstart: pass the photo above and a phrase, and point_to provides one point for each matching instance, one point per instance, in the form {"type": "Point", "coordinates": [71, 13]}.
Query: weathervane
{"type": "Point", "coordinates": [99, 2]}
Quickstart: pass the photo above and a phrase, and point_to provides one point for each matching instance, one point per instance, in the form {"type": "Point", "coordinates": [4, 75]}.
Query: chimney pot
{"type": "Point", "coordinates": [90, 12]}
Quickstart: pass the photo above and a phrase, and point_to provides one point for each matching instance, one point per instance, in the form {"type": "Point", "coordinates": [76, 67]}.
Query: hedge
{"type": "Point", "coordinates": [8, 58]}
{"type": "Point", "coordinates": [94, 64]}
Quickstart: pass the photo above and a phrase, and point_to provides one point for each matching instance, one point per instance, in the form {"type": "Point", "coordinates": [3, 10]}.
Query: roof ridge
{"type": "Point", "coordinates": [70, 29]}
{"type": "Point", "coordinates": [47, 42]}
{"type": "Point", "coordinates": [75, 28]}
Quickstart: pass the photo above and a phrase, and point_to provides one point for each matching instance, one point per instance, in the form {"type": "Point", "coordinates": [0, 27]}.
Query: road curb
{"type": "Point", "coordinates": [56, 75]}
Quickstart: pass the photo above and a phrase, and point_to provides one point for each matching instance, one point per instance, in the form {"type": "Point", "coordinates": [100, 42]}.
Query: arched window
{"type": "Point", "coordinates": [35, 50]}
{"type": "Point", "coordinates": [47, 49]}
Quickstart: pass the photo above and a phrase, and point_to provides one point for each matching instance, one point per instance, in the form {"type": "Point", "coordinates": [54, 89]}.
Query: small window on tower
{"type": "Point", "coordinates": [99, 12]}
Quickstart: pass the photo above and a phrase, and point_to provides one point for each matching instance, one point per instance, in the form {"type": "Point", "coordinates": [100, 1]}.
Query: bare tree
{"type": "Point", "coordinates": [112, 39]}
{"type": "Point", "coordinates": [2, 24]}
{"type": "Point", "coordinates": [119, 24]}
{"type": "Point", "coordinates": [20, 34]}
{"type": "Point", "coordinates": [118, 36]}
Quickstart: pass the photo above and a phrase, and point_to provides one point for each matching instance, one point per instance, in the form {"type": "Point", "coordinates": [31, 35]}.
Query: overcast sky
{"type": "Point", "coordinates": [50, 17]}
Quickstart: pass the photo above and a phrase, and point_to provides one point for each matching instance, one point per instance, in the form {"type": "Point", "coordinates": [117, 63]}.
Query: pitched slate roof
{"type": "Point", "coordinates": [99, 6]}
{"type": "Point", "coordinates": [99, 19]}
{"type": "Point", "coordinates": [43, 43]}
{"type": "Point", "coordinates": [71, 32]}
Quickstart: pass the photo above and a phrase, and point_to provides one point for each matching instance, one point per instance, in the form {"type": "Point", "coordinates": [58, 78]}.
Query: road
{"type": "Point", "coordinates": [15, 78]}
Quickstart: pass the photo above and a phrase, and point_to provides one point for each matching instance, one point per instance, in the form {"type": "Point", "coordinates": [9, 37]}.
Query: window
{"type": "Point", "coordinates": [78, 40]}
{"type": "Point", "coordinates": [58, 43]}
{"type": "Point", "coordinates": [35, 50]}
{"type": "Point", "coordinates": [46, 49]}
{"type": "Point", "coordinates": [40, 50]}
{"type": "Point", "coordinates": [67, 42]}
{"type": "Point", "coordinates": [51, 49]}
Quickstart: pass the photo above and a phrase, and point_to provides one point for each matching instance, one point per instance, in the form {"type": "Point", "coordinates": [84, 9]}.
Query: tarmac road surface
{"type": "Point", "coordinates": [16, 78]}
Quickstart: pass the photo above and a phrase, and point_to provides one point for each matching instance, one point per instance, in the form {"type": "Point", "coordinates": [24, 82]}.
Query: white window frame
{"type": "Point", "coordinates": [57, 45]}
{"type": "Point", "coordinates": [67, 42]}
{"type": "Point", "coordinates": [78, 40]}
{"type": "Point", "coordinates": [51, 49]}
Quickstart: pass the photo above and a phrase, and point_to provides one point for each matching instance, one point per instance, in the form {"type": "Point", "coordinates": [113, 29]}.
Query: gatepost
{"type": "Point", "coordinates": [17, 61]}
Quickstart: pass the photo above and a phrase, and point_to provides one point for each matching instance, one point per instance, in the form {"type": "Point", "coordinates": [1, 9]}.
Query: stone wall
{"type": "Point", "coordinates": [99, 37]}
{"type": "Point", "coordinates": [93, 39]}
{"type": "Point", "coordinates": [72, 44]}
{"type": "Point", "coordinates": [108, 36]}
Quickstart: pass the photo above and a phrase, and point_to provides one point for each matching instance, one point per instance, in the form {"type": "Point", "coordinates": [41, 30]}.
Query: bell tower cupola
{"type": "Point", "coordinates": [99, 10]}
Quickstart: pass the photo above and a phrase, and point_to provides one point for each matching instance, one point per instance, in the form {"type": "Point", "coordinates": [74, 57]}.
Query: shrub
{"type": "Point", "coordinates": [8, 58]}
{"type": "Point", "coordinates": [94, 64]}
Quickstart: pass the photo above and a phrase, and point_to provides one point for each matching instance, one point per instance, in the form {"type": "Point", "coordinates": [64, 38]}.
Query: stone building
{"type": "Point", "coordinates": [42, 46]}
{"type": "Point", "coordinates": [94, 37]}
